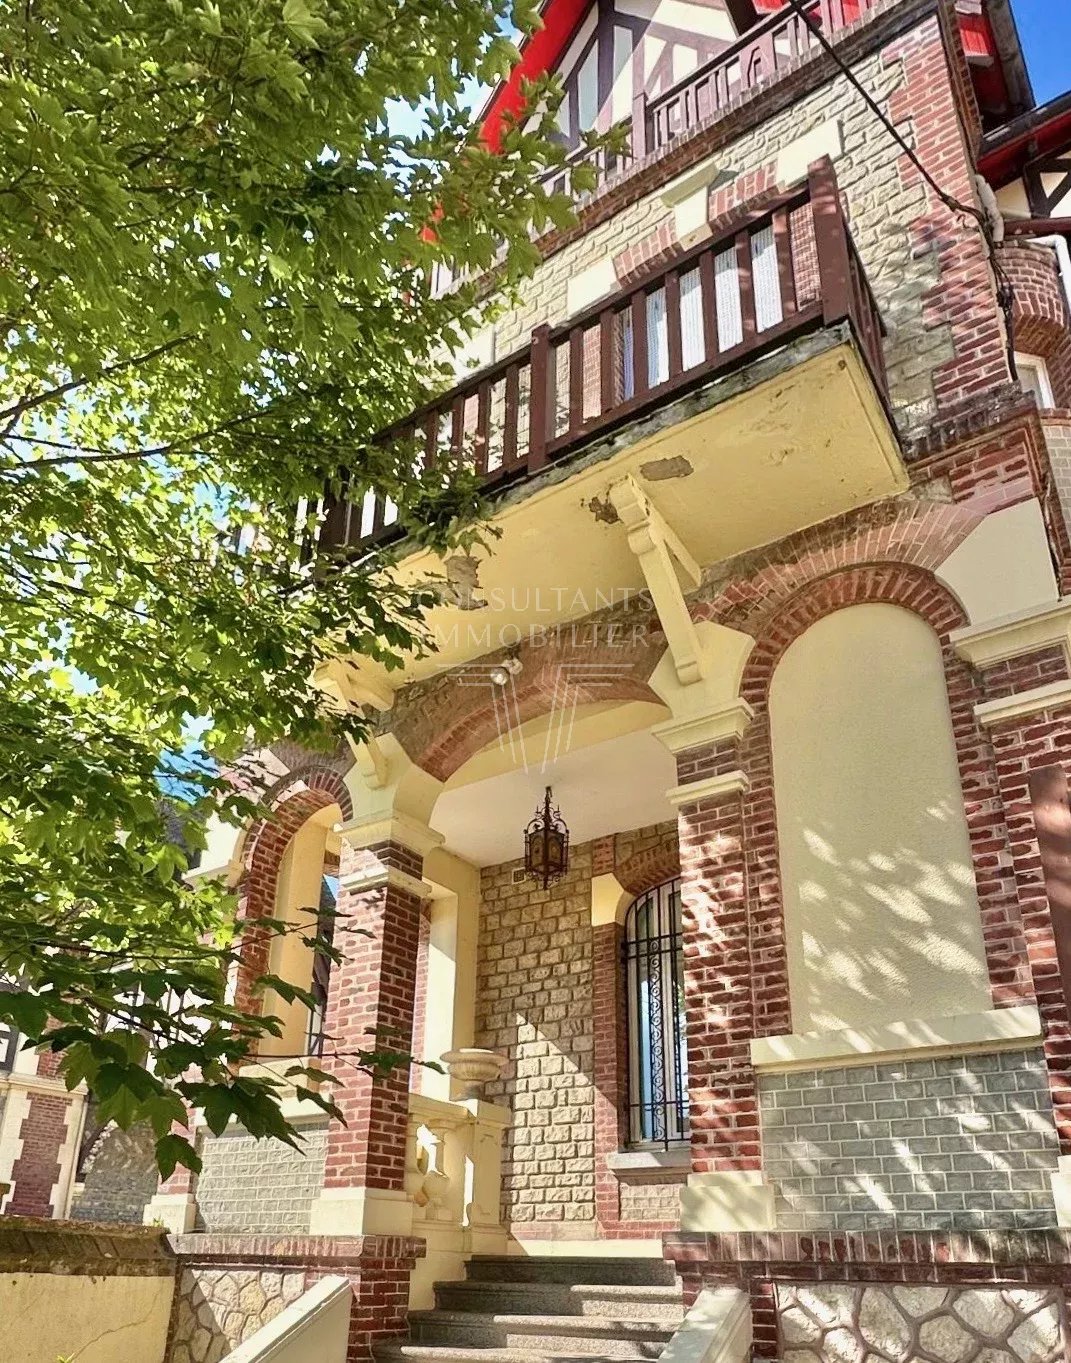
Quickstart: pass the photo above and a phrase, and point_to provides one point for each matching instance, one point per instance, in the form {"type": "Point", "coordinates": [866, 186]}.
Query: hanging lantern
{"type": "Point", "coordinates": [546, 844]}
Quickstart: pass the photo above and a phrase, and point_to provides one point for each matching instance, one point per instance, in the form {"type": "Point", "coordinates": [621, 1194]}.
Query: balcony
{"type": "Point", "coordinates": [770, 48]}
{"type": "Point", "coordinates": [784, 279]}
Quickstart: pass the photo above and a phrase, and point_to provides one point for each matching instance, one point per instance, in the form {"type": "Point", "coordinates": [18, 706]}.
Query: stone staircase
{"type": "Point", "coordinates": [545, 1310]}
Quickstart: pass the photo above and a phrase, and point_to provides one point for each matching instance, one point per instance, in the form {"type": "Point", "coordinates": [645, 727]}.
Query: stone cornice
{"type": "Point", "coordinates": [722, 787]}
{"type": "Point", "coordinates": [376, 877]}
{"type": "Point", "coordinates": [1008, 708]}
{"type": "Point", "coordinates": [998, 1029]}
{"type": "Point", "coordinates": [1010, 636]}
{"type": "Point", "coordinates": [398, 828]}
{"type": "Point", "coordinates": [715, 726]}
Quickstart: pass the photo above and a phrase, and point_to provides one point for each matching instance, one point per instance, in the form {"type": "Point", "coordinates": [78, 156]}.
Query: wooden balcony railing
{"type": "Point", "coordinates": [761, 55]}
{"type": "Point", "coordinates": [783, 269]}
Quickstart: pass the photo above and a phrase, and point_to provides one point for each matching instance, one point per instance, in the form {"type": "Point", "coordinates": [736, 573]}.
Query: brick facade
{"type": "Point", "coordinates": [1040, 316]}
{"type": "Point", "coordinates": [43, 1134]}
{"type": "Point", "coordinates": [371, 1003]}
{"type": "Point", "coordinates": [923, 261]}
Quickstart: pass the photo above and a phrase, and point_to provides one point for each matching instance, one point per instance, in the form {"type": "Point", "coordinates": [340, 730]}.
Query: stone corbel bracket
{"type": "Point", "coordinates": [663, 560]}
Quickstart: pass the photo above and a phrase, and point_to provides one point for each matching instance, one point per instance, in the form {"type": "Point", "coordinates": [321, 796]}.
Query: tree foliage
{"type": "Point", "coordinates": [214, 249]}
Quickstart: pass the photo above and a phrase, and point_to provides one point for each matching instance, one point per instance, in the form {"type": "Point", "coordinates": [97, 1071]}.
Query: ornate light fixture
{"type": "Point", "coordinates": [546, 844]}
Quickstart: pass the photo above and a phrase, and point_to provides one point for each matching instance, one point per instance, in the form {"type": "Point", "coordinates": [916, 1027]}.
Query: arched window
{"type": "Point", "coordinates": [657, 1045]}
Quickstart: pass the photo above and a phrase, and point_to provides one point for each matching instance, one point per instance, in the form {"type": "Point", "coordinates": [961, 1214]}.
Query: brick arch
{"type": "Point", "coordinates": [894, 584]}
{"type": "Point", "coordinates": [903, 533]}
{"type": "Point", "coordinates": [649, 868]}
{"type": "Point", "coordinates": [459, 721]}
{"type": "Point", "coordinates": [917, 590]}
{"type": "Point", "coordinates": [291, 803]}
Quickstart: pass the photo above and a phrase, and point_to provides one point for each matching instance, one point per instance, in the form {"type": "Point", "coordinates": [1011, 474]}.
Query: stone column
{"type": "Point", "coordinates": [51, 1125]}
{"type": "Point", "coordinates": [370, 1005]}
{"type": "Point", "coordinates": [726, 1189]}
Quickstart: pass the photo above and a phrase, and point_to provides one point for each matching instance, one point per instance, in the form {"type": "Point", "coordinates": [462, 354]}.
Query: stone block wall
{"type": "Point", "coordinates": [534, 1002]}
{"type": "Point", "coordinates": [119, 1178]}
{"type": "Point", "coordinates": [251, 1185]}
{"type": "Point", "coordinates": [540, 982]}
{"type": "Point", "coordinates": [835, 1323]}
{"type": "Point", "coordinates": [956, 1142]}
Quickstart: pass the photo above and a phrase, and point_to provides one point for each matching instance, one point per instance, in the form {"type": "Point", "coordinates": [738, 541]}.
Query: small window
{"type": "Point", "coordinates": [1034, 378]}
{"type": "Point", "coordinates": [657, 1024]}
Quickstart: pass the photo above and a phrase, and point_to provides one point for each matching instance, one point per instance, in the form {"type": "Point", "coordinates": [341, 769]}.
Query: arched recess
{"type": "Point", "coordinates": [288, 858]}
{"type": "Point", "coordinates": [881, 914]}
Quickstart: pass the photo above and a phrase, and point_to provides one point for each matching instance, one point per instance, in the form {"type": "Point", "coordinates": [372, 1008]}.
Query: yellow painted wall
{"type": "Point", "coordinates": [297, 890]}
{"type": "Point", "coordinates": [48, 1316]}
{"type": "Point", "coordinates": [880, 906]}
{"type": "Point", "coordinates": [450, 998]}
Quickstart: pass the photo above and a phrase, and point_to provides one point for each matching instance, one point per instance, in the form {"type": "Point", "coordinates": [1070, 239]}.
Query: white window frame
{"type": "Point", "coordinates": [1023, 360]}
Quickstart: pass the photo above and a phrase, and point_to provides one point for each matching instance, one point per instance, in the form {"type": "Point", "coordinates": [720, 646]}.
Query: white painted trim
{"type": "Point", "coordinates": [399, 828]}
{"type": "Point", "coordinates": [375, 877]}
{"type": "Point", "coordinates": [1008, 636]}
{"type": "Point", "coordinates": [321, 1313]}
{"type": "Point", "coordinates": [714, 787]}
{"type": "Point", "coordinates": [717, 1329]}
{"type": "Point", "coordinates": [728, 721]}
{"type": "Point", "coordinates": [991, 712]}
{"type": "Point", "coordinates": [997, 1030]}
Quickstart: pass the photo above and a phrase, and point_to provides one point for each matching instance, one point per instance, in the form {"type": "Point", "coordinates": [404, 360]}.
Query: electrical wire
{"type": "Point", "coordinates": [1005, 289]}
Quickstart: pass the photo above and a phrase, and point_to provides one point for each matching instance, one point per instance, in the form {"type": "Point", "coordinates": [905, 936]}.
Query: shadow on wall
{"type": "Point", "coordinates": [118, 1176]}
{"type": "Point", "coordinates": [881, 911]}
{"type": "Point", "coordinates": [218, 1309]}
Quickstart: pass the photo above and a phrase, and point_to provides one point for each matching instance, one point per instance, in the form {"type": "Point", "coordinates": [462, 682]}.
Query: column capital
{"type": "Point", "coordinates": [371, 830]}
{"type": "Point", "coordinates": [721, 787]}
{"type": "Point", "coordinates": [720, 724]}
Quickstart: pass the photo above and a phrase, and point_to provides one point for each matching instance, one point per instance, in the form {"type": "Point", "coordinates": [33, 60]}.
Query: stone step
{"type": "Point", "coordinates": [508, 1268]}
{"type": "Point", "coordinates": [398, 1351]}
{"type": "Point", "coordinates": [623, 1301]}
{"type": "Point", "coordinates": [605, 1336]}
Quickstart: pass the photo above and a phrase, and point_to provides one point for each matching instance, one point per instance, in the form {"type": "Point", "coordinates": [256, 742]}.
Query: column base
{"type": "Point", "coordinates": [737, 1200]}
{"type": "Point", "coordinates": [361, 1211]}
{"type": "Point", "coordinates": [176, 1212]}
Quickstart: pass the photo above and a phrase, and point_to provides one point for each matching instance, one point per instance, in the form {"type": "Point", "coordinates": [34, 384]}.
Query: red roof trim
{"type": "Point", "coordinates": [539, 54]}
{"type": "Point", "coordinates": [1039, 136]}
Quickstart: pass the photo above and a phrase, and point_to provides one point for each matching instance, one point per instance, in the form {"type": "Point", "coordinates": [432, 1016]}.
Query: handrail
{"type": "Point", "coordinates": [770, 46]}
{"type": "Point", "coordinates": [784, 266]}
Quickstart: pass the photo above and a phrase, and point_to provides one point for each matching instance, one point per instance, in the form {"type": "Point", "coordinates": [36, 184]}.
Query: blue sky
{"type": "Point", "coordinates": [1045, 28]}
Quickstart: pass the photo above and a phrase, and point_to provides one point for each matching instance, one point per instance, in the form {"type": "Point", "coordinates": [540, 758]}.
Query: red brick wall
{"type": "Point", "coordinates": [1020, 746]}
{"type": "Point", "coordinates": [43, 1133]}
{"type": "Point", "coordinates": [371, 1000]}
{"type": "Point", "coordinates": [1040, 315]}
{"type": "Point", "coordinates": [964, 297]}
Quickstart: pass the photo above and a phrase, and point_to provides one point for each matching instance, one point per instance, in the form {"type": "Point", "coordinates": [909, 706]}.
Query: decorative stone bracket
{"type": "Point", "coordinates": [661, 555]}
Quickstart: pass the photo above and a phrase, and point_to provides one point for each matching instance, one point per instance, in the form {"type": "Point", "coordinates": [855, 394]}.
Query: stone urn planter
{"type": "Point", "coordinates": [472, 1068]}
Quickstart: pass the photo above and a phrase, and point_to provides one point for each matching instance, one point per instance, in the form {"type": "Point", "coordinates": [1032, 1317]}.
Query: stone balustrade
{"type": "Point", "coordinates": [453, 1173]}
